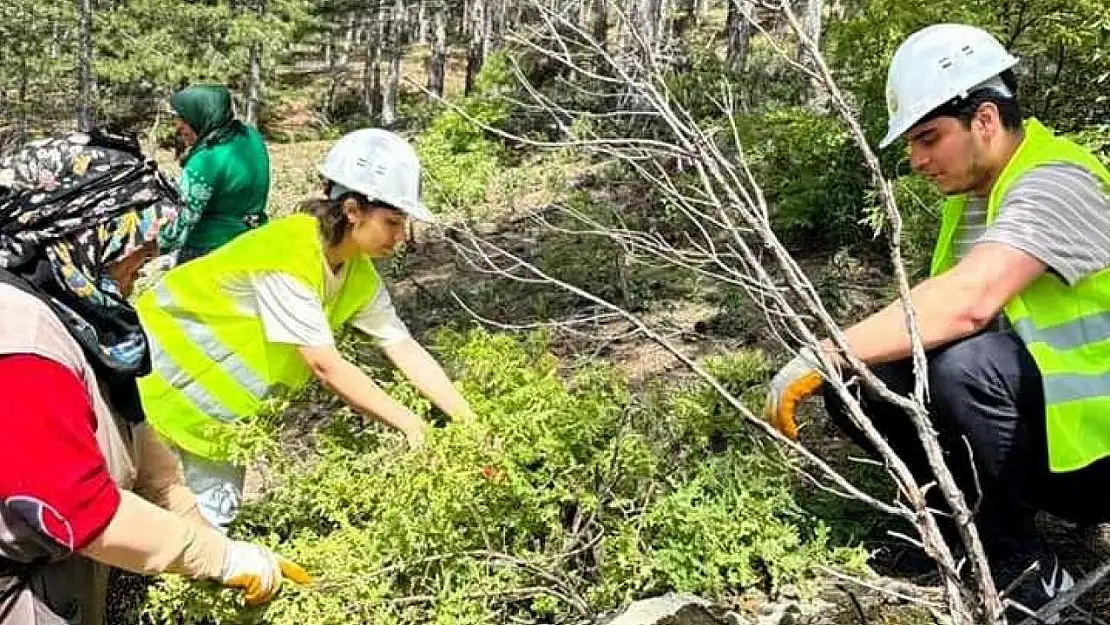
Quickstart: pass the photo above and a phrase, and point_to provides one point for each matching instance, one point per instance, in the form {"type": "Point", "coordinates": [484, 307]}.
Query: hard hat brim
{"type": "Point", "coordinates": [418, 211]}
{"type": "Point", "coordinates": [905, 123]}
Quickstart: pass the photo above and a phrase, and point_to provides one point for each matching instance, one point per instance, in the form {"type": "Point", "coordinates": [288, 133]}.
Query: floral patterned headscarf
{"type": "Point", "coordinates": [70, 207]}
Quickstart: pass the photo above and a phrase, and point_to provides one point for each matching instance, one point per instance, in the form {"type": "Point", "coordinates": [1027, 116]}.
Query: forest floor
{"type": "Point", "coordinates": [433, 277]}
{"type": "Point", "coordinates": [432, 281]}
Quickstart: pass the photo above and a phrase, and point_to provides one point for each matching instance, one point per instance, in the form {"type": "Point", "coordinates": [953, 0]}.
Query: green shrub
{"type": "Point", "coordinates": [1096, 139]}
{"type": "Point", "coordinates": [570, 496]}
{"type": "Point", "coordinates": [811, 172]}
{"type": "Point", "coordinates": [919, 204]}
{"type": "Point", "coordinates": [458, 156]}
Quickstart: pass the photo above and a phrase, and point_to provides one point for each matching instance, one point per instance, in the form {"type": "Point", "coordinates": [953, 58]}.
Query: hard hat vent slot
{"type": "Point", "coordinates": [945, 63]}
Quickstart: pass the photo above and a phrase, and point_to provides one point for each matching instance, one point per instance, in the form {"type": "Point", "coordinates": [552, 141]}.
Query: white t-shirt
{"type": "Point", "coordinates": [292, 313]}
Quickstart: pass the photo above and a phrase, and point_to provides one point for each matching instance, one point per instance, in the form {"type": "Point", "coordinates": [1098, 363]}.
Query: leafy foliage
{"type": "Point", "coordinates": [457, 155]}
{"type": "Point", "coordinates": [812, 174]}
{"type": "Point", "coordinates": [30, 68]}
{"type": "Point", "coordinates": [568, 497]}
{"type": "Point", "coordinates": [1064, 69]}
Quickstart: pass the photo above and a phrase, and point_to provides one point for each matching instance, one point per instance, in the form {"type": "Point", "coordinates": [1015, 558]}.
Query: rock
{"type": "Point", "coordinates": [784, 613]}
{"type": "Point", "coordinates": [676, 609]}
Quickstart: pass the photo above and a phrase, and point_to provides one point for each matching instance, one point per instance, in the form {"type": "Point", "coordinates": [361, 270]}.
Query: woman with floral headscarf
{"type": "Point", "coordinates": [79, 217]}
{"type": "Point", "coordinates": [225, 175]}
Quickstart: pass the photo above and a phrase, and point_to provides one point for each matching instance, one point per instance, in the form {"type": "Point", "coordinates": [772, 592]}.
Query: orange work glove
{"type": "Point", "coordinates": [793, 383]}
{"type": "Point", "coordinates": [258, 571]}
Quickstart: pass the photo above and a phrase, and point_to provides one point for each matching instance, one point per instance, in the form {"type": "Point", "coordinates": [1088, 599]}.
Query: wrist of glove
{"type": "Point", "coordinates": [258, 572]}
{"type": "Point", "coordinates": [799, 379]}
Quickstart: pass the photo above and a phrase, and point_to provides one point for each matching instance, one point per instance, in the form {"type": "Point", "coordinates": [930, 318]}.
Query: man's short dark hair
{"type": "Point", "coordinates": [964, 109]}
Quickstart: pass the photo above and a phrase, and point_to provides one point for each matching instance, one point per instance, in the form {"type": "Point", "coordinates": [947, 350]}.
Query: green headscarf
{"type": "Point", "coordinates": [207, 110]}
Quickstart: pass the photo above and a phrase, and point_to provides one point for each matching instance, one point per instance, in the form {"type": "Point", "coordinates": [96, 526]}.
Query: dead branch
{"type": "Point", "coordinates": [731, 241]}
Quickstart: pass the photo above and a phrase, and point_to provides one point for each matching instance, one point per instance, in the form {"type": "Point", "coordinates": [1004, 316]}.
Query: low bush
{"type": "Point", "coordinates": [811, 172]}
{"type": "Point", "coordinates": [459, 157]}
{"type": "Point", "coordinates": [569, 497]}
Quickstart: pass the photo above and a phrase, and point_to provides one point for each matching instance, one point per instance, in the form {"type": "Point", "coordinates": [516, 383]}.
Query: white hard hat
{"type": "Point", "coordinates": [935, 65]}
{"type": "Point", "coordinates": [380, 165]}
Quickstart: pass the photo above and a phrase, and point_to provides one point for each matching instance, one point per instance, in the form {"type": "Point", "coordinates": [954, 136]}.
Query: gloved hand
{"type": "Point", "coordinates": [793, 383]}
{"type": "Point", "coordinates": [258, 571]}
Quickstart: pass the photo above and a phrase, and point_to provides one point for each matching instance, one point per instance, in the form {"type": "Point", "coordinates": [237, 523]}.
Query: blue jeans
{"type": "Point", "coordinates": [217, 485]}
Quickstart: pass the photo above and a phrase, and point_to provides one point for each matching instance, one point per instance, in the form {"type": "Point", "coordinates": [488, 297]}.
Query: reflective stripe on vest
{"type": "Point", "coordinates": [1065, 328]}
{"type": "Point", "coordinates": [201, 336]}
{"type": "Point", "coordinates": [212, 365]}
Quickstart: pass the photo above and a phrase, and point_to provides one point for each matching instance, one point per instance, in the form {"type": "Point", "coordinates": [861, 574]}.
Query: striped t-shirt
{"type": "Point", "coordinates": [1058, 213]}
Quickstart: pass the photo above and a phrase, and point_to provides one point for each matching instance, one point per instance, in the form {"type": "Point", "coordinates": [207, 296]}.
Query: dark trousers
{"type": "Point", "coordinates": [986, 390]}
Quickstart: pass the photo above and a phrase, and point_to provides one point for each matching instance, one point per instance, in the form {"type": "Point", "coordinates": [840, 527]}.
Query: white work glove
{"type": "Point", "coordinates": [793, 383]}
{"type": "Point", "coordinates": [258, 572]}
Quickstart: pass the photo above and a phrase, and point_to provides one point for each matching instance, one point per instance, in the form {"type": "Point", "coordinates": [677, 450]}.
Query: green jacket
{"type": "Point", "coordinates": [225, 188]}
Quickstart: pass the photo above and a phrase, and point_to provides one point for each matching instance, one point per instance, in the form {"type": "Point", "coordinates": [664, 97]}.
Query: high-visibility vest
{"type": "Point", "coordinates": [212, 365]}
{"type": "Point", "coordinates": [1065, 328]}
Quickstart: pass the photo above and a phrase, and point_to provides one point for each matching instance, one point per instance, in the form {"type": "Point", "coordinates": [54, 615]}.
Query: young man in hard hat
{"type": "Point", "coordinates": [257, 317]}
{"type": "Point", "coordinates": [1015, 315]}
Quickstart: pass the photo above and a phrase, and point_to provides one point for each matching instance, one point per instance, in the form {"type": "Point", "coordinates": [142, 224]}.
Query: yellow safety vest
{"type": "Point", "coordinates": [212, 365]}
{"type": "Point", "coordinates": [1065, 328]}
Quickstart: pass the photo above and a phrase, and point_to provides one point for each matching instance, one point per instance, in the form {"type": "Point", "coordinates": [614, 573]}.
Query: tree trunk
{"type": "Point", "coordinates": [371, 69]}
{"type": "Point", "coordinates": [423, 26]}
{"type": "Point", "coordinates": [338, 67]}
{"type": "Point", "coordinates": [687, 16]}
{"type": "Point", "coordinates": [739, 34]}
{"type": "Point", "coordinates": [86, 88]}
{"type": "Point", "coordinates": [811, 23]}
{"type": "Point", "coordinates": [518, 13]}
{"type": "Point", "coordinates": [396, 47]}
{"type": "Point", "coordinates": [254, 85]}
{"type": "Point", "coordinates": [647, 25]}
{"type": "Point", "coordinates": [599, 27]}
{"type": "Point", "coordinates": [438, 59]}
{"type": "Point", "coordinates": [254, 82]}
{"type": "Point", "coordinates": [494, 20]}
{"type": "Point", "coordinates": [474, 58]}
{"type": "Point", "coordinates": [662, 23]}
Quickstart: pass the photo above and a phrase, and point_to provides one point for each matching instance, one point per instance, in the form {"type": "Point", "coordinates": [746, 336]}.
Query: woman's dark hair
{"type": "Point", "coordinates": [964, 109]}
{"type": "Point", "coordinates": [330, 215]}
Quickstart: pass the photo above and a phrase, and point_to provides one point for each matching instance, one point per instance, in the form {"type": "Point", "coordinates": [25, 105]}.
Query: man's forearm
{"type": "Point", "coordinates": [942, 312]}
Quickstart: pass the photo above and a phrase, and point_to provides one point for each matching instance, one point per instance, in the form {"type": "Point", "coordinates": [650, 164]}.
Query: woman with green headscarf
{"type": "Point", "coordinates": [225, 172]}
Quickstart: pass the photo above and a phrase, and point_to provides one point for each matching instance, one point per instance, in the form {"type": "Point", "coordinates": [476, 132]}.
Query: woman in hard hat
{"type": "Point", "coordinates": [225, 175]}
{"type": "Point", "coordinates": [84, 484]}
{"type": "Point", "coordinates": [259, 315]}
{"type": "Point", "coordinates": [1015, 313]}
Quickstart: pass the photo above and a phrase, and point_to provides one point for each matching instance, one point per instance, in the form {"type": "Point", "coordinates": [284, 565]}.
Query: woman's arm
{"type": "Point", "coordinates": [56, 483]}
{"type": "Point", "coordinates": [196, 191]}
{"type": "Point", "coordinates": [360, 392]}
{"type": "Point", "coordinates": [428, 376]}
{"type": "Point", "coordinates": [379, 320]}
